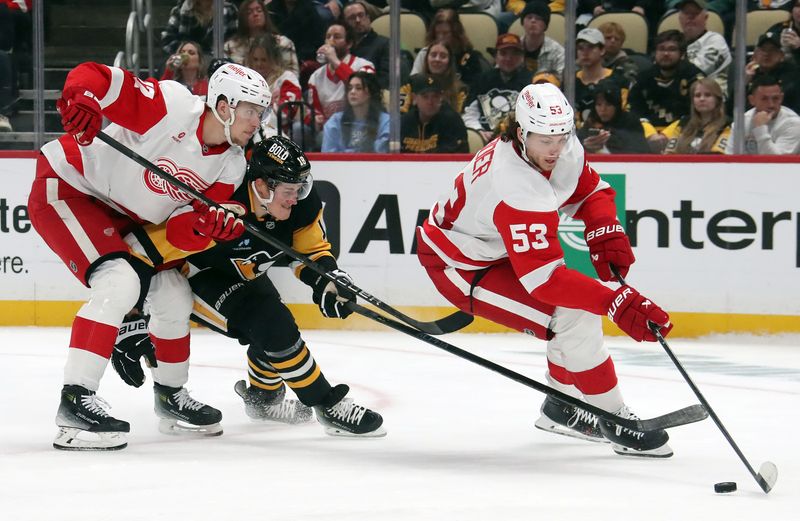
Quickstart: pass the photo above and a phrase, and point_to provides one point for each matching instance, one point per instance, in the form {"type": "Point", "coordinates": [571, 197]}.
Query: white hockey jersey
{"type": "Point", "coordinates": [502, 208]}
{"type": "Point", "coordinates": [326, 89]}
{"type": "Point", "coordinates": [162, 122]}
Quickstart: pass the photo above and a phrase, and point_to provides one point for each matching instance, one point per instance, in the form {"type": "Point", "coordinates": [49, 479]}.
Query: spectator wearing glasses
{"type": "Point", "coordinates": [255, 22]}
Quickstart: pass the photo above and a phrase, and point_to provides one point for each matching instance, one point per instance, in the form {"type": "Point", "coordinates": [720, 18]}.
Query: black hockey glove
{"type": "Point", "coordinates": [331, 298]}
{"type": "Point", "coordinates": [133, 343]}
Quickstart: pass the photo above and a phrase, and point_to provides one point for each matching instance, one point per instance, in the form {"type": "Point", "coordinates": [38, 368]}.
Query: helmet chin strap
{"type": "Point", "coordinates": [263, 202]}
{"type": "Point", "coordinates": [226, 125]}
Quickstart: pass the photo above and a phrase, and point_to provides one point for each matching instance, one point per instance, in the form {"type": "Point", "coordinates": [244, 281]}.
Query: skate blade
{"type": "Point", "coordinates": [663, 451]}
{"type": "Point", "coordinates": [174, 427]}
{"type": "Point", "coordinates": [555, 428]}
{"type": "Point", "coordinates": [380, 432]}
{"type": "Point", "coordinates": [302, 414]}
{"type": "Point", "coordinates": [70, 438]}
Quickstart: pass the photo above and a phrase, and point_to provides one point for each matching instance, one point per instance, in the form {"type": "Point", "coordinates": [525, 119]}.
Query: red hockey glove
{"type": "Point", "coordinates": [80, 115]}
{"type": "Point", "coordinates": [608, 244]}
{"type": "Point", "coordinates": [222, 222]}
{"type": "Point", "coordinates": [632, 313]}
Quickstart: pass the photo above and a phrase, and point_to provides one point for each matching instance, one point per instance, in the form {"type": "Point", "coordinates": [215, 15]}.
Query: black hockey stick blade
{"type": "Point", "coordinates": [768, 473]}
{"type": "Point", "coordinates": [677, 418]}
{"type": "Point", "coordinates": [442, 326]}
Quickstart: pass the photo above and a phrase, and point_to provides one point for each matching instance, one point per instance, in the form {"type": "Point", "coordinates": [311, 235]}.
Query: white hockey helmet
{"type": "Point", "coordinates": [237, 83]}
{"type": "Point", "coordinates": [543, 109]}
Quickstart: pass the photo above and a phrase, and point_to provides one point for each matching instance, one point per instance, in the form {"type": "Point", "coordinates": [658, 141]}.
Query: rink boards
{"type": "Point", "coordinates": [717, 243]}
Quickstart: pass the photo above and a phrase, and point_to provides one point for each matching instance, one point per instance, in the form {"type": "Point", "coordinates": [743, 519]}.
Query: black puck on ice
{"type": "Point", "coordinates": [725, 486]}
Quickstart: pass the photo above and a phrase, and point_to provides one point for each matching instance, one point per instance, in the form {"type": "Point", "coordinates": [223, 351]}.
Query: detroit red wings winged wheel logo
{"type": "Point", "coordinates": [157, 185]}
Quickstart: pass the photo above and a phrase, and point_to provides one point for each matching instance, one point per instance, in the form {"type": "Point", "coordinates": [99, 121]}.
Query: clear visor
{"type": "Point", "coordinates": [297, 191]}
{"type": "Point", "coordinates": [251, 112]}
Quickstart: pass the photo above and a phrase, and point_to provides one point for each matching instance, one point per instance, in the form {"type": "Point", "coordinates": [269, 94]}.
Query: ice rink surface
{"type": "Point", "coordinates": [461, 443]}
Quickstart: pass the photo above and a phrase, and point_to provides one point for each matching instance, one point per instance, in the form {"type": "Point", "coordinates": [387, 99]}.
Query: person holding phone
{"type": "Point", "coordinates": [609, 128]}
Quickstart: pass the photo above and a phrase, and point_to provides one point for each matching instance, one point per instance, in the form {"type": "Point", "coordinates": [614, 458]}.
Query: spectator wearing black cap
{"type": "Point", "coordinates": [706, 49]}
{"type": "Point", "coordinates": [590, 45]}
{"type": "Point", "coordinates": [769, 127]}
{"type": "Point", "coordinates": [431, 126]}
{"type": "Point", "coordinates": [494, 93]}
{"type": "Point", "coordinates": [609, 128]}
{"type": "Point", "coordinates": [542, 53]}
{"type": "Point", "coordinates": [790, 33]}
{"type": "Point", "coordinates": [768, 58]}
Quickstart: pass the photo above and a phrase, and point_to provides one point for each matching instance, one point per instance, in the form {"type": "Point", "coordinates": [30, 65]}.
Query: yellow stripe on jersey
{"type": "Point", "coordinates": [203, 311]}
{"type": "Point", "coordinates": [157, 236]}
{"type": "Point", "coordinates": [295, 360]}
{"type": "Point", "coordinates": [305, 382]}
{"type": "Point", "coordinates": [259, 370]}
{"type": "Point", "coordinates": [310, 240]}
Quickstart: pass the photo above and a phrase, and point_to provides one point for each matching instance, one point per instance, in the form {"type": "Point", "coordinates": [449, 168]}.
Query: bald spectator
{"type": "Point", "coordinates": [769, 127]}
{"type": "Point", "coordinates": [706, 49]}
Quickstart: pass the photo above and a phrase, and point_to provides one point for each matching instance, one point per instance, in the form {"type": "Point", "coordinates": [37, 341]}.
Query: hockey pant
{"type": "Point", "coordinates": [578, 362]}
{"type": "Point", "coordinates": [87, 235]}
{"type": "Point", "coordinates": [252, 313]}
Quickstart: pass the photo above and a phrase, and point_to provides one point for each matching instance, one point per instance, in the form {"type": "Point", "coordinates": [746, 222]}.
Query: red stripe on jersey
{"type": "Point", "coordinates": [72, 152]}
{"type": "Point", "coordinates": [437, 237]}
{"type": "Point", "coordinates": [171, 351]}
{"type": "Point", "coordinates": [597, 380]}
{"type": "Point", "coordinates": [572, 289]}
{"type": "Point", "coordinates": [209, 150]}
{"type": "Point", "coordinates": [95, 337]}
{"type": "Point", "coordinates": [560, 374]}
{"type": "Point", "coordinates": [531, 238]}
{"type": "Point", "coordinates": [138, 106]}
{"type": "Point", "coordinates": [586, 184]}
{"type": "Point", "coordinates": [598, 206]}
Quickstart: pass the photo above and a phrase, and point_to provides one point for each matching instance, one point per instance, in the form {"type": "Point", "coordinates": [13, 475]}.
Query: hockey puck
{"type": "Point", "coordinates": [725, 486]}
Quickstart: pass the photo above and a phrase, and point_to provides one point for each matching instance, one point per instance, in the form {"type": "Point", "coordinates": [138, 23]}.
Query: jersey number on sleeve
{"type": "Point", "coordinates": [529, 236]}
{"type": "Point", "coordinates": [146, 87]}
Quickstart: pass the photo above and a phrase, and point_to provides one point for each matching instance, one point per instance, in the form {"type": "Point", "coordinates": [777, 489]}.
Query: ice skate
{"type": "Point", "coordinates": [562, 418]}
{"type": "Point", "coordinates": [84, 422]}
{"type": "Point", "coordinates": [263, 405]}
{"type": "Point", "coordinates": [649, 444]}
{"type": "Point", "coordinates": [341, 417]}
{"type": "Point", "coordinates": [183, 415]}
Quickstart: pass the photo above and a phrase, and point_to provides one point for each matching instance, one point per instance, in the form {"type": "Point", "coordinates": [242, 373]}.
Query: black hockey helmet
{"type": "Point", "coordinates": [279, 160]}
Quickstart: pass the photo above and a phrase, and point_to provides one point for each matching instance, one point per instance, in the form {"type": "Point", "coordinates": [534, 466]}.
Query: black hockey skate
{"type": "Point", "coordinates": [562, 418]}
{"type": "Point", "coordinates": [649, 444]}
{"type": "Point", "coordinates": [341, 417]}
{"type": "Point", "coordinates": [82, 411]}
{"type": "Point", "coordinates": [260, 404]}
{"type": "Point", "coordinates": [183, 415]}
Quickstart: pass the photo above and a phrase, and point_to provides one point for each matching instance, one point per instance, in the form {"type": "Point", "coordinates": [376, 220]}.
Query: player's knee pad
{"type": "Point", "coordinates": [169, 303]}
{"type": "Point", "coordinates": [114, 289]}
{"type": "Point", "coordinates": [578, 334]}
{"type": "Point", "coordinates": [278, 333]}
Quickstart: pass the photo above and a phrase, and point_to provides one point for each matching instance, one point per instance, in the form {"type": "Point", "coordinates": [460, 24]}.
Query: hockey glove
{"type": "Point", "coordinates": [133, 342]}
{"type": "Point", "coordinates": [331, 298]}
{"type": "Point", "coordinates": [80, 115]}
{"type": "Point", "coordinates": [220, 223]}
{"type": "Point", "coordinates": [633, 313]}
{"type": "Point", "coordinates": [608, 244]}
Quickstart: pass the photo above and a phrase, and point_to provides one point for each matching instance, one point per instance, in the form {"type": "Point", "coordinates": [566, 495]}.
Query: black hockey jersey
{"type": "Point", "coordinates": [248, 256]}
{"type": "Point", "coordinates": [663, 100]}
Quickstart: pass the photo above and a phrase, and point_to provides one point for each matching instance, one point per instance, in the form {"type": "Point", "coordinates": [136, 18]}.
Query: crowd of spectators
{"type": "Point", "coordinates": [329, 71]}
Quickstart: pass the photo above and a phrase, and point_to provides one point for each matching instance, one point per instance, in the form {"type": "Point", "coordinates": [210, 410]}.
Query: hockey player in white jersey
{"type": "Point", "coordinates": [86, 196]}
{"type": "Point", "coordinates": [491, 248]}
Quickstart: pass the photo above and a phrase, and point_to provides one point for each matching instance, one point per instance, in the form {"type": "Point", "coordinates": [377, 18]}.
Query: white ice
{"type": "Point", "coordinates": [460, 446]}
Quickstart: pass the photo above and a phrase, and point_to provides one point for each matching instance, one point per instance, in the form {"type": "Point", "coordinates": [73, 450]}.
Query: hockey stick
{"type": "Point", "coordinates": [677, 418]}
{"type": "Point", "coordinates": [767, 474]}
{"type": "Point", "coordinates": [448, 324]}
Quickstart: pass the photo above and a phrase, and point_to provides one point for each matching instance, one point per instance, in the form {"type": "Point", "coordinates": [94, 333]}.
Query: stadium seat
{"type": "Point", "coordinates": [475, 140]}
{"type": "Point", "coordinates": [555, 30]}
{"type": "Point", "coordinates": [670, 21]}
{"type": "Point", "coordinates": [481, 29]}
{"type": "Point", "coordinates": [759, 21]}
{"type": "Point", "coordinates": [635, 25]}
{"type": "Point", "coordinates": [412, 30]}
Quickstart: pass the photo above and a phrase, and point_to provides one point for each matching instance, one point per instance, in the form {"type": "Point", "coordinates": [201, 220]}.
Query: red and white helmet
{"type": "Point", "coordinates": [237, 83]}
{"type": "Point", "coordinates": [543, 109]}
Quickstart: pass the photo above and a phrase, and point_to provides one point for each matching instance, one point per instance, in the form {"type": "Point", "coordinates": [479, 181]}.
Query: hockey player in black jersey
{"type": "Point", "coordinates": [233, 297]}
